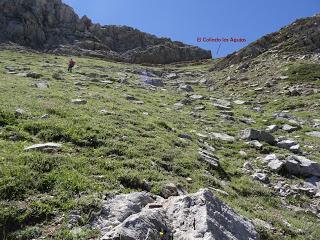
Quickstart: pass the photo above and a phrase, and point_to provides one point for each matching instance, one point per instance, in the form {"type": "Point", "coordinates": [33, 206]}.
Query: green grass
{"type": "Point", "coordinates": [304, 73]}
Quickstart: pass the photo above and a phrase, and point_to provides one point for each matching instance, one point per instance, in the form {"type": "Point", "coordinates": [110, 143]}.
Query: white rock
{"type": "Point", "coordinates": [45, 147]}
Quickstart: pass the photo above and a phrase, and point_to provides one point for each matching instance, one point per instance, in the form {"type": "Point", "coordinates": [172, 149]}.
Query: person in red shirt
{"type": "Point", "coordinates": [71, 65]}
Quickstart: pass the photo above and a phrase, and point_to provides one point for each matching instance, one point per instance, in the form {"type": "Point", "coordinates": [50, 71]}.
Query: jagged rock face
{"type": "Point", "coordinates": [302, 36]}
{"type": "Point", "coordinates": [194, 216]}
{"type": "Point", "coordinates": [54, 26]}
{"type": "Point", "coordinates": [37, 23]}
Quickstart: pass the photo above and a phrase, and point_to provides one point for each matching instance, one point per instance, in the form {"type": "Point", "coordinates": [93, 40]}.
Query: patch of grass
{"type": "Point", "coordinates": [304, 73]}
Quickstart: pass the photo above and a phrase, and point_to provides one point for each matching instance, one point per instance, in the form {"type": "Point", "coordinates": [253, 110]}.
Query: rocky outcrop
{"type": "Point", "coordinates": [50, 25]}
{"type": "Point", "coordinates": [194, 216]}
{"type": "Point", "coordinates": [302, 36]}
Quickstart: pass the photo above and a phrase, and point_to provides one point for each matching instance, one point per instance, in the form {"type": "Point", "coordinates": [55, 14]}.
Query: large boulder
{"type": "Point", "coordinates": [301, 166]}
{"type": "Point", "coordinates": [140, 216]}
{"type": "Point", "coordinates": [262, 136]}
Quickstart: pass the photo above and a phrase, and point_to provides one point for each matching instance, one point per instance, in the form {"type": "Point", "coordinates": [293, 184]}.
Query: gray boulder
{"type": "Point", "coordinates": [272, 128]}
{"type": "Point", "coordinates": [289, 128]}
{"type": "Point", "coordinates": [186, 87]}
{"type": "Point", "coordinates": [222, 137]}
{"type": "Point", "coordinates": [262, 177]}
{"type": "Point", "coordinates": [208, 157]}
{"type": "Point", "coordinates": [301, 166]}
{"type": "Point", "coordinates": [42, 85]}
{"type": "Point", "coordinates": [313, 134]}
{"type": "Point", "coordinates": [289, 145]}
{"type": "Point", "coordinates": [276, 165]}
{"type": "Point", "coordinates": [262, 136]}
{"type": "Point", "coordinates": [140, 216]}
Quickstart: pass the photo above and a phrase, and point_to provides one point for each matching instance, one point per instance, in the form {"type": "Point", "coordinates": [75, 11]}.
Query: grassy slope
{"type": "Point", "coordinates": [122, 151]}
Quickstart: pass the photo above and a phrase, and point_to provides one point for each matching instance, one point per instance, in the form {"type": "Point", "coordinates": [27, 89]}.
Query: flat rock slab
{"type": "Point", "coordinates": [222, 137]}
{"type": "Point", "coordinates": [314, 134]}
{"type": "Point", "coordinates": [45, 147]}
{"type": "Point", "coordinates": [200, 216]}
{"type": "Point", "coordinates": [42, 85]}
{"type": "Point", "coordinates": [79, 101]}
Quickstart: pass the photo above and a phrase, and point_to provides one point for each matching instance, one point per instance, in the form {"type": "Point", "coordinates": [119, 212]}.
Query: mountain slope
{"type": "Point", "coordinates": [301, 37]}
{"type": "Point", "coordinates": [51, 25]}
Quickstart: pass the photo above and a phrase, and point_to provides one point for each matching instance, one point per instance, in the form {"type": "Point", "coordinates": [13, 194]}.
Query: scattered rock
{"type": "Point", "coordinates": [79, 101]}
{"type": "Point", "coordinates": [313, 134]}
{"type": "Point", "coordinates": [185, 136]}
{"type": "Point", "coordinates": [262, 177]}
{"type": "Point", "coordinates": [186, 87]}
{"type": "Point", "coordinates": [252, 134]}
{"type": "Point", "coordinates": [208, 157]}
{"type": "Point", "coordinates": [222, 137]}
{"type": "Point", "coordinates": [289, 128]}
{"type": "Point", "coordinates": [222, 104]}
{"type": "Point", "coordinates": [45, 147]}
{"type": "Point", "coordinates": [42, 85]}
{"type": "Point", "coordinates": [256, 144]}
{"type": "Point", "coordinates": [276, 165]}
{"type": "Point", "coordinates": [196, 97]}
{"type": "Point", "coordinates": [106, 112]}
{"type": "Point", "coordinates": [288, 144]}
{"type": "Point", "coordinates": [172, 76]}
{"type": "Point", "coordinates": [272, 128]}
{"type": "Point", "coordinates": [34, 75]}
{"type": "Point", "coordinates": [20, 112]}
{"type": "Point", "coordinates": [239, 102]}
{"type": "Point", "coordinates": [301, 166]}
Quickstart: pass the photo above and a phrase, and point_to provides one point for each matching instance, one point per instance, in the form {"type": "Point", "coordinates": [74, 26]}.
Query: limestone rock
{"type": "Point", "coordinates": [208, 157]}
{"type": "Point", "coordinates": [140, 216]}
{"type": "Point", "coordinates": [262, 177]}
{"type": "Point", "coordinates": [272, 128]}
{"type": "Point", "coordinates": [79, 101]}
{"type": "Point", "coordinates": [222, 137]}
{"type": "Point", "coordinates": [252, 134]}
{"type": "Point", "coordinates": [50, 25]}
{"type": "Point", "coordinates": [45, 147]}
{"type": "Point", "coordinates": [42, 85]}
{"type": "Point", "coordinates": [276, 165]}
{"type": "Point", "coordinates": [313, 134]}
{"type": "Point", "coordinates": [186, 87]}
{"type": "Point", "coordinates": [301, 166]}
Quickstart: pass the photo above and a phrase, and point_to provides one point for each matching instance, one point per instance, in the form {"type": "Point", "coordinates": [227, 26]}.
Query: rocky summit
{"type": "Point", "coordinates": [132, 151]}
{"type": "Point", "coordinates": [51, 26]}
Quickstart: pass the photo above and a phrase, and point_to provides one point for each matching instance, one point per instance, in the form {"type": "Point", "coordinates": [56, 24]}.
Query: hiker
{"type": "Point", "coordinates": [71, 65]}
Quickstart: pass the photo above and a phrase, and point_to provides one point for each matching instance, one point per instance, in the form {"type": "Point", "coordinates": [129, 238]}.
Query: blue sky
{"type": "Point", "coordinates": [186, 20]}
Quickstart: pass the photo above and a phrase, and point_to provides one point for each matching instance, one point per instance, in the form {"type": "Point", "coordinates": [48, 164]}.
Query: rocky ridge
{"type": "Point", "coordinates": [50, 25]}
{"type": "Point", "coordinates": [301, 37]}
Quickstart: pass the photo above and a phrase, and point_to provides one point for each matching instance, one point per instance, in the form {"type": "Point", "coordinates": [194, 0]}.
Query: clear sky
{"type": "Point", "coordinates": [186, 20]}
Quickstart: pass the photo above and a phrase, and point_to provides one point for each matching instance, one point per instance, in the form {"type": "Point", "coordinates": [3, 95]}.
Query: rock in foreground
{"type": "Point", "coordinates": [139, 216]}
